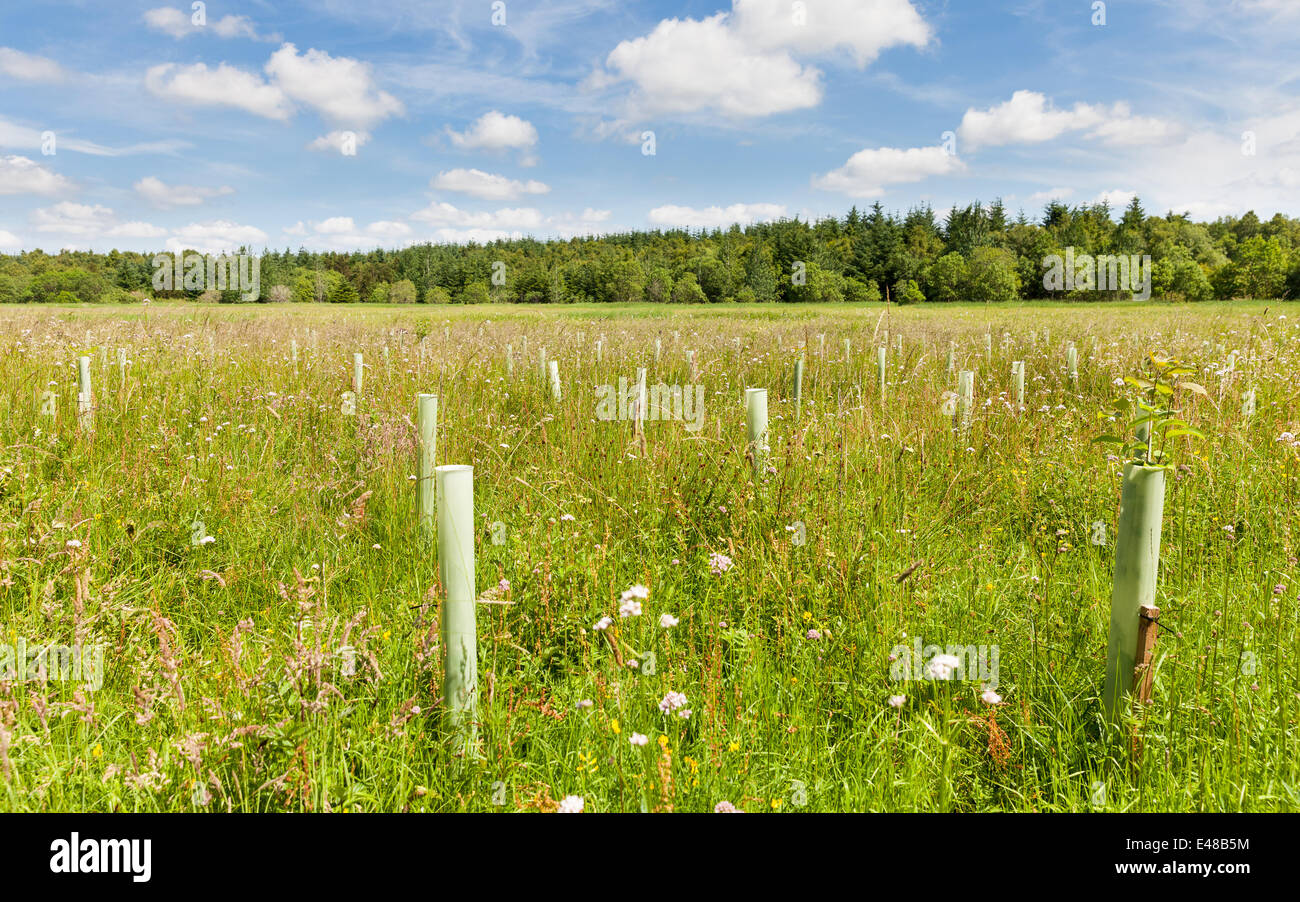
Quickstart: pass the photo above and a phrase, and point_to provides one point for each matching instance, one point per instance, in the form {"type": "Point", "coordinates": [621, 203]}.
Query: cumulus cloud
{"type": "Point", "coordinates": [20, 175]}
{"type": "Point", "coordinates": [869, 172]}
{"type": "Point", "coordinates": [1116, 198]}
{"type": "Point", "coordinates": [163, 196]}
{"type": "Point", "coordinates": [506, 220]}
{"type": "Point", "coordinates": [29, 67]}
{"type": "Point", "coordinates": [687, 65]}
{"type": "Point", "coordinates": [863, 28]}
{"type": "Point", "coordinates": [340, 88]}
{"type": "Point", "coordinates": [90, 221]}
{"type": "Point", "coordinates": [216, 237]}
{"type": "Point", "coordinates": [673, 216]}
{"type": "Point", "coordinates": [9, 239]}
{"type": "Point", "coordinates": [342, 233]}
{"type": "Point", "coordinates": [477, 183]}
{"type": "Point", "coordinates": [1030, 118]}
{"type": "Point", "coordinates": [742, 63]}
{"type": "Point", "coordinates": [225, 85]}
{"type": "Point", "coordinates": [495, 130]}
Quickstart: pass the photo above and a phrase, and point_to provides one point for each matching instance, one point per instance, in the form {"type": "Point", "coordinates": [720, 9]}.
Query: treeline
{"type": "Point", "coordinates": [976, 253]}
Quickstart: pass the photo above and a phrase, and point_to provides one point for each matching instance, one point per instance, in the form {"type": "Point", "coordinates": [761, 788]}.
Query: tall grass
{"type": "Point", "coordinates": [292, 662]}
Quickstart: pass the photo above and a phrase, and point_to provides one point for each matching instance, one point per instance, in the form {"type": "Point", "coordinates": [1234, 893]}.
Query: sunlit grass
{"type": "Point", "coordinates": [292, 662]}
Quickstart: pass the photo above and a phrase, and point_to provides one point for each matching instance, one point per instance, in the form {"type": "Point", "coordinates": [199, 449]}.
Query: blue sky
{"type": "Point", "coordinates": [349, 125]}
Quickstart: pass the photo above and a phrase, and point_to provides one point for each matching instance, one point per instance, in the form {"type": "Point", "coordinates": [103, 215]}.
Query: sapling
{"type": "Point", "coordinates": [1142, 497]}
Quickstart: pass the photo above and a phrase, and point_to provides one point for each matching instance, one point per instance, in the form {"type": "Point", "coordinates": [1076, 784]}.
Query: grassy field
{"type": "Point", "coordinates": [249, 559]}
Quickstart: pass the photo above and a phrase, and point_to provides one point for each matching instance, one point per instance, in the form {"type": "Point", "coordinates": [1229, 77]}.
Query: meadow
{"type": "Point", "coordinates": [663, 625]}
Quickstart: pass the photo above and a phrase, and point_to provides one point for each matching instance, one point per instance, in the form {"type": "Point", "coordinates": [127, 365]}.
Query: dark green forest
{"type": "Point", "coordinates": [977, 253]}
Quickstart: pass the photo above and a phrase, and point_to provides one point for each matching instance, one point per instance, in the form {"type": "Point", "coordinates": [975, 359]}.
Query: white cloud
{"type": "Point", "coordinates": [9, 239]}
{"type": "Point", "coordinates": [1030, 118]}
{"type": "Point", "coordinates": [222, 86]}
{"type": "Point", "coordinates": [179, 24]}
{"type": "Point", "coordinates": [342, 233]}
{"type": "Point", "coordinates": [89, 221]}
{"type": "Point", "coordinates": [1116, 197]}
{"type": "Point", "coordinates": [687, 65]}
{"type": "Point", "coordinates": [589, 222]}
{"type": "Point", "coordinates": [70, 218]}
{"type": "Point", "coordinates": [868, 172]}
{"type": "Point", "coordinates": [740, 63]}
{"type": "Point", "coordinates": [29, 67]}
{"type": "Point", "coordinates": [20, 175]}
{"type": "Point", "coordinates": [440, 213]}
{"type": "Point", "coordinates": [477, 183]}
{"type": "Point", "coordinates": [339, 88]}
{"type": "Point", "coordinates": [163, 196]}
{"type": "Point", "coordinates": [496, 131]}
{"type": "Point", "coordinates": [863, 27]}
{"type": "Point", "coordinates": [215, 237]}
{"type": "Point", "coordinates": [341, 141]}
{"type": "Point", "coordinates": [673, 216]}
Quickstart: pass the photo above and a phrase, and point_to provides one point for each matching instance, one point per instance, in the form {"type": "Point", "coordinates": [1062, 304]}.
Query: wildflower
{"type": "Point", "coordinates": [941, 667]}
{"type": "Point", "coordinates": [814, 634]}
{"type": "Point", "coordinates": [896, 701]}
{"type": "Point", "coordinates": [725, 807]}
{"type": "Point", "coordinates": [1279, 589]}
{"type": "Point", "coordinates": [638, 591]}
{"type": "Point", "coordinates": [989, 697]}
{"type": "Point", "coordinates": [504, 585]}
{"type": "Point", "coordinates": [584, 703]}
{"type": "Point", "coordinates": [719, 563]}
{"type": "Point", "coordinates": [207, 540]}
{"type": "Point", "coordinates": [672, 702]}
{"type": "Point", "coordinates": [614, 727]}
{"type": "Point", "coordinates": [564, 517]}
{"type": "Point", "coordinates": [73, 543]}
{"type": "Point", "coordinates": [667, 621]}
{"type": "Point", "coordinates": [638, 739]}
{"type": "Point", "coordinates": [630, 608]}
{"type": "Point", "coordinates": [733, 746]}
{"type": "Point", "coordinates": [602, 624]}
{"type": "Point", "coordinates": [571, 805]}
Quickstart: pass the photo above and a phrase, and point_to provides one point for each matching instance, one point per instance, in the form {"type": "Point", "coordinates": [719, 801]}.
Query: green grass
{"type": "Point", "coordinates": [226, 671]}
